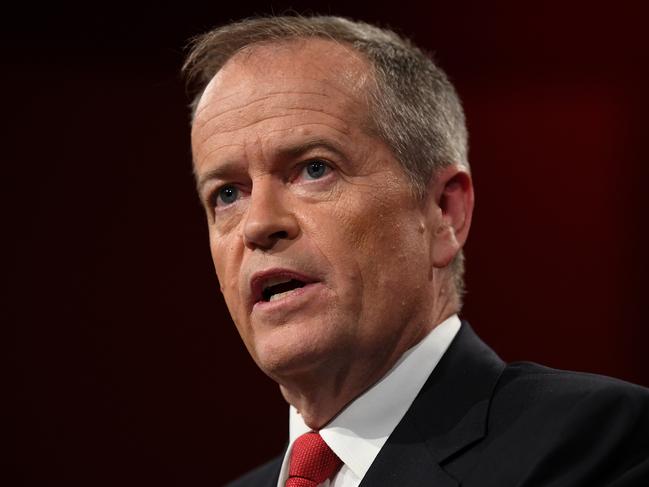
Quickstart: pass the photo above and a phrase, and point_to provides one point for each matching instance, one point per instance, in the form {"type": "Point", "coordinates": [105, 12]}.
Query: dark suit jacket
{"type": "Point", "coordinates": [480, 422]}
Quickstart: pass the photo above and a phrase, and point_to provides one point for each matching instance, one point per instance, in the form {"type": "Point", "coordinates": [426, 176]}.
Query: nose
{"type": "Point", "coordinates": [269, 218]}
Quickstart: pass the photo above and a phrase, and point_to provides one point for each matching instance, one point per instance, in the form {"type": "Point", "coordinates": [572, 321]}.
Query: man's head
{"type": "Point", "coordinates": [336, 202]}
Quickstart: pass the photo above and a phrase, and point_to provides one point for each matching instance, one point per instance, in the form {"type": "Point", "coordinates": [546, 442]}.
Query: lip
{"type": "Point", "coordinates": [259, 278]}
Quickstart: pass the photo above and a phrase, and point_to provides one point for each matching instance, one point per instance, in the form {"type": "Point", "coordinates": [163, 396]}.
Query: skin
{"type": "Point", "coordinates": [379, 256]}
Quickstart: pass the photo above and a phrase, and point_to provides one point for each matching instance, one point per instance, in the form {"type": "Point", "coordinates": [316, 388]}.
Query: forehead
{"type": "Point", "coordinates": [316, 75]}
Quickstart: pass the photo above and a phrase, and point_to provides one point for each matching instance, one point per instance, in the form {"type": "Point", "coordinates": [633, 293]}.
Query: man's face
{"type": "Point", "coordinates": [322, 254]}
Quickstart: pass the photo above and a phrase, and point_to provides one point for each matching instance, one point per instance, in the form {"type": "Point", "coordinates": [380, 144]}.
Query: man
{"type": "Point", "coordinates": [331, 158]}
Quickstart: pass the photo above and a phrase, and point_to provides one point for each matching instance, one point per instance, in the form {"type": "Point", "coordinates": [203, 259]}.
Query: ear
{"type": "Point", "coordinates": [450, 208]}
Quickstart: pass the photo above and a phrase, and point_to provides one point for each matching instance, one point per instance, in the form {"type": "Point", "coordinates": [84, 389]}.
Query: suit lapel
{"type": "Point", "coordinates": [448, 415]}
{"type": "Point", "coordinates": [406, 461]}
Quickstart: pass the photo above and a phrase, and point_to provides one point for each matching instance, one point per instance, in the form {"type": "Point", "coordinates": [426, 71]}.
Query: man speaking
{"type": "Point", "coordinates": [331, 159]}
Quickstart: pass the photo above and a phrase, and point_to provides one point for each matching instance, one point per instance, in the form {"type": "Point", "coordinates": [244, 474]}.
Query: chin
{"type": "Point", "coordinates": [293, 355]}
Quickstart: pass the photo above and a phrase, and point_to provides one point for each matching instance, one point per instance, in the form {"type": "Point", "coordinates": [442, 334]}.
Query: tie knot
{"type": "Point", "coordinates": [312, 461]}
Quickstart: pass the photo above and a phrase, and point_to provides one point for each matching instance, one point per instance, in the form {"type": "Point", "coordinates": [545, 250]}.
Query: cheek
{"type": "Point", "coordinates": [385, 241]}
{"type": "Point", "coordinates": [378, 226]}
{"type": "Point", "coordinates": [226, 264]}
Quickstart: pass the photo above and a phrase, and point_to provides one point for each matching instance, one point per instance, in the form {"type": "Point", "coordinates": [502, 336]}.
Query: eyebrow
{"type": "Point", "coordinates": [296, 150]}
{"type": "Point", "coordinates": [220, 172]}
{"type": "Point", "coordinates": [292, 151]}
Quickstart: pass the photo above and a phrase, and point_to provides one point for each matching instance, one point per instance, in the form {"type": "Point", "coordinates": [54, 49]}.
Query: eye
{"type": "Point", "coordinates": [316, 168]}
{"type": "Point", "coordinates": [227, 195]}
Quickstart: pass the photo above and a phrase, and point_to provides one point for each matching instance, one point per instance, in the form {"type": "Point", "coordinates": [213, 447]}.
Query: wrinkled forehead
{"type": "Point", "coordinates": [318, 70]}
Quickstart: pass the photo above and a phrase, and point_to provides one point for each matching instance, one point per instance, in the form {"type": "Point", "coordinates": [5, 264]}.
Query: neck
{"type": "Point", "coordinates": [321, 396]}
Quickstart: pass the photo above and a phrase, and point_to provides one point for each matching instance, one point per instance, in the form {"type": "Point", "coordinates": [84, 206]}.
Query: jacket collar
{"type": "Point", "coordinates": [448, 415]}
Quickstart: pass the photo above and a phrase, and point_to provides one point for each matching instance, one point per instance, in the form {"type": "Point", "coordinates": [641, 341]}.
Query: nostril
{"type": "Point", "coordinates": [279, 235]}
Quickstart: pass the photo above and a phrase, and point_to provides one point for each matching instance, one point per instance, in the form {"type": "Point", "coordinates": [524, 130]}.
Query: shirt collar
{"type": "Point", "coordinates": [361, 429]}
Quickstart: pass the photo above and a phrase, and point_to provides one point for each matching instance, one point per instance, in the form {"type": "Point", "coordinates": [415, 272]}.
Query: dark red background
{"type": "Point", "coordinates": [128, 370]}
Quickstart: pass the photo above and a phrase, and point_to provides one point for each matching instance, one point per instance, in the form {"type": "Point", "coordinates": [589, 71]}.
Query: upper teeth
{"type": "Point", "coordinates": [274, 281]}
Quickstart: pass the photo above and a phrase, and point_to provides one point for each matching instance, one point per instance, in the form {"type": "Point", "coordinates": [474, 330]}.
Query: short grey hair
{"type": "Point", "coordinates": [414, 108]}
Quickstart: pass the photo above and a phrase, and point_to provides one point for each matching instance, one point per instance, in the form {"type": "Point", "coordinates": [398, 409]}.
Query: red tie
{"type": "Point", "coordinates": [312, 461]}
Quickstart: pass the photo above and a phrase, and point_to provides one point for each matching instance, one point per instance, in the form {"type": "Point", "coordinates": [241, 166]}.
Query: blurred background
{"type": "Point", "coordinates": [126, 366]}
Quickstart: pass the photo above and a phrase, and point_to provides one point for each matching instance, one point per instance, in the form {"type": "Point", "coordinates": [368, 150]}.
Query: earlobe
{"type": "Point", "coordinates": [451, 212]}
{"type": "Point", "coordinates": [445, 247]}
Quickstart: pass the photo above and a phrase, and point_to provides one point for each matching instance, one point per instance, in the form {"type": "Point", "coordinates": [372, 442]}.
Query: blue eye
{"type": "Point", "coordinates": [316, 169]}
{"type": "Point", "coordinates": [227, 195]}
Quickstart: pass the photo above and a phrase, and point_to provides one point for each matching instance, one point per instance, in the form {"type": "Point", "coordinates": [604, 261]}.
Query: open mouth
{"type": "Point", "coordinates": [276, 284]}
{"type": "Point", "coordinates": [274, 290]}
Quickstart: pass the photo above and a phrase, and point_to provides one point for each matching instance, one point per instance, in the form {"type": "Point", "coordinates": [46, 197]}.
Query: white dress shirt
{"type": "Point", "coordinates": [361, 429]}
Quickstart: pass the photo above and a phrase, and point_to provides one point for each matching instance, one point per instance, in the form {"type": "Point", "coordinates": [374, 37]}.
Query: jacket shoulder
{"type": "Point", "coordinates": [562, 406]}
{"type": "Point", "coordinates": [568, 428]}
{"type": "Point", "coordinates": [527, 382]}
